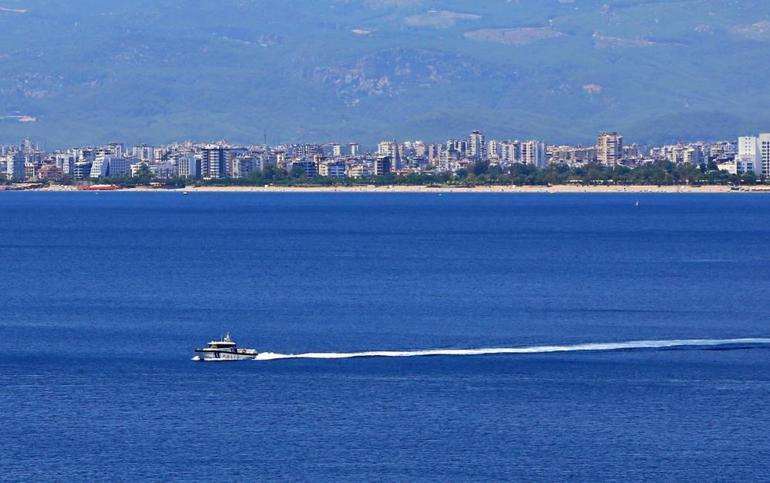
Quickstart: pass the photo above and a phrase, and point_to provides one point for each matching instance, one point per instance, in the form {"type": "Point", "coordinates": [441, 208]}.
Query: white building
{"type": "Point", "coordinates": [609, 148]}
{"type": "Point", "coordinates": [15, 167]}
{"type": "Point", "coordinates": [358, 170]}
{"type": "Point", "coordinates": [144, 152]}
{"type": "Point", "coordinates": [110, 165]}
{"type": "Point", "coordinates": [510, 151]}
{"type": "Point", "coordinates": [748, 158]}
{"type": "Point", "coordinates": [188, 166]}
{"type": "Point", "coordinates": [420, 149]}
{"type": "Point", "coordinates": [729, 167]}
{"type": "Point", "coordinates": [116, 149]}
{"type": "Point", "coordinates": [246, 165]}
{"type": "Point", "coordinates": [494, 150]}
{"type": "Point", "coordinates": [139, 167]}
{"type": "Point", "coordinates": [332, 169]}
{"type": "Point", "coordinates": [386, 148]}
{"type": "Point", "coordinates": [65, 162]}
{"type": "Point", "coordinates": [693, 154]}
{"type": "Point", "coordinates": [533, 153]}
{"type": "Point", "coordinates": [477, 146]}
{"type": "Point", "coordinates": [100, 167]}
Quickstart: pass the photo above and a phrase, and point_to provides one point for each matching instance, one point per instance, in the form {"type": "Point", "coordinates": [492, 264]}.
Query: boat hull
{"type": "Point", "coordinates": [224, 356]}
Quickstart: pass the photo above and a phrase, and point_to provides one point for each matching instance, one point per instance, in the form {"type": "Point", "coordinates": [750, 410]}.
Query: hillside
{"type": "Point", "coordinates": [79, 71]}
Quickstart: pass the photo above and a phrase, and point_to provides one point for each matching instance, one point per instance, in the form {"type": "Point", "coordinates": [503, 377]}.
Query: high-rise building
{"type": "Point", "coordinates": [510, 152]}
{"type": "Point", "coordinates": [748, 146]}
{"type": "Point", "coordinates": [434, 154]}
{"type": "Point", "coordinates": [144, 152]}
{"type": "Point", "coordinates": [533, 153]}
{"type": "Point", "coordinates": [448, 160]}
{"type": "Point", "coordinates": [82, 170]}
{"type": "Point", "coordinates": [28, 147]}
{"type": "Point", "coordinates": [355, 150]}
{"type": "Point", "coordinates": [99, 168]}
{"type": "Point", "coordinates": [749, 157]}
{"type": "Point", "coordinates": [214, 162]}
{"type": "Point", "coordinates": [116, 149]}
{"type": "Point", "coordinates": [692, 155]}
{"type": "Point", "coordinates": [477, 146]}
{"type": "Point", "coordinates": [15, 169]}
{"type": "Point", "coordinates": [609, 148]}
{"type": "Point", "coordinates": [387, 148]}
{"type": "Point", "coordinates": [101, 164]}
{"type": "Point", "coordinates": [764, 152]}
{"type": "Point", "coordinates": [420, 149]}
{"type": "Point", "coordinates": [189, 166]}
{"type": "Point", "coordinates": [65, 162]}
{"type": "Point", "coordinates": [494, 150]}
{"type": "Point", "coordinates": [383, 166]}
{"type": "Point", "coordinates": [337, 150]}
{"type": "Point", "coordinates": [392, 150]}
{"type": "Point", "coordinates": [458, 146]}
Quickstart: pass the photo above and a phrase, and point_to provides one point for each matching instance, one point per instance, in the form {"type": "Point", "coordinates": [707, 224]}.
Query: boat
{"type": "Point", "coordinates": [224, 350]}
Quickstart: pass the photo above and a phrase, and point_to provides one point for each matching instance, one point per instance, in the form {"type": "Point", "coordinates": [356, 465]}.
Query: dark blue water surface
{"type": "Point", "coordinates": [104, 296]}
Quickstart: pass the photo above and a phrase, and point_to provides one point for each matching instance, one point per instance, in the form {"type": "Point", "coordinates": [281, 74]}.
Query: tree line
{"type": "Point", "coordinates": [479, 174]}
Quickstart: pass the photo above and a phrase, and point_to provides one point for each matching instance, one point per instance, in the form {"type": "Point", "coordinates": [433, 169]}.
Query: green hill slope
{"type": "Point", "coordinates": [77, 71]}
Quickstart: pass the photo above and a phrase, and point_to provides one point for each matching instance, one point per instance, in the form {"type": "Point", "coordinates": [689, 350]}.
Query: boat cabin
{"type": "Point", "coordinates": [224, 344]}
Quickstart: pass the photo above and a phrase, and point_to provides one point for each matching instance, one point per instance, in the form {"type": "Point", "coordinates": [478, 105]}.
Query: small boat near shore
{"type": "Point", "coordinates": [224, 350]}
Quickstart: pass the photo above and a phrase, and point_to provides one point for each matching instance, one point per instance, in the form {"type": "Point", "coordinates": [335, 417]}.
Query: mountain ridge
{"type": "Point", "coordinates": [83, 71]}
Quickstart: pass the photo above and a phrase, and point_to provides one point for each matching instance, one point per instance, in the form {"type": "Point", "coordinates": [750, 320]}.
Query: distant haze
{"type": "Point", "coordinates": [91, 71]}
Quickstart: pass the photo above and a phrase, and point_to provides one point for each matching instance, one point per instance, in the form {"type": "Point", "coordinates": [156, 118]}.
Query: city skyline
{"type": "Point", "coordinates": [212, 161]}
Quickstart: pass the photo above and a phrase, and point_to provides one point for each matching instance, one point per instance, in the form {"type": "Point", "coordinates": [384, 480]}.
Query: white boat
{"type": "Point", "coordinates": [224, 350]}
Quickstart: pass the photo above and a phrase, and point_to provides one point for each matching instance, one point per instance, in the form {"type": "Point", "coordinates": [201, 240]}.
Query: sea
{"type": "Point", "coordinates": [405, 337]}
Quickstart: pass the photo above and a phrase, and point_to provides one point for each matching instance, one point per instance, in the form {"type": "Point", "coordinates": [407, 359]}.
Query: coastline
{"type": "Point", "coordinates": [558, 189]}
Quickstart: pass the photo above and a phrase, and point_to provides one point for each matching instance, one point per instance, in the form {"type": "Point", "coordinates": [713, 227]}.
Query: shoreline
{"type": "Point", "coordinates": [564, 189]}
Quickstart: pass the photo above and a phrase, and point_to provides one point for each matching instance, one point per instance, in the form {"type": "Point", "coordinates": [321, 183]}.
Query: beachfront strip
{"type": "Point", "coordinates": [746, 160]}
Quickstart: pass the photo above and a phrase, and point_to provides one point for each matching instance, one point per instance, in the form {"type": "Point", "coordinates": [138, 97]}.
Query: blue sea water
{"type": "Point", "coordinates": [103, 297]}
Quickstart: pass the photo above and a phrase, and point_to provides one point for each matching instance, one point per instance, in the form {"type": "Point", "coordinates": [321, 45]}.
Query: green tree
{"type": "Point", "coordinates": [143, 175]}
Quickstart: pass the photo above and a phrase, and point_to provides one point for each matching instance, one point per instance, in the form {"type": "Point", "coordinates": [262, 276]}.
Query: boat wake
{"type": "Point", "coordinates": [545, 349]}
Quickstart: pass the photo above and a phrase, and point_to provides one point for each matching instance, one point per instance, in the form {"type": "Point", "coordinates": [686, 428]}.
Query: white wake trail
{"type": "Point", "coordinates": [545, 349]}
